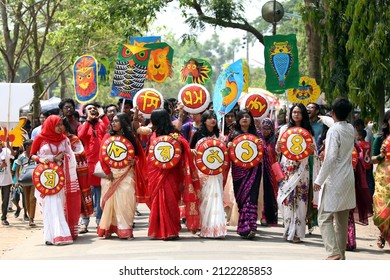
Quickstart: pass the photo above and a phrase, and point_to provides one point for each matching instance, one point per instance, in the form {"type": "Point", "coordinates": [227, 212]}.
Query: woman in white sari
{"type": "Point", "coordinates": [293, 191]}
{"type": "Point", "coordinates": [212, 213]}
{"type": "Point", "coordinates": [124, 186]}
{"type": "Point", "coordinates": [60, 210]}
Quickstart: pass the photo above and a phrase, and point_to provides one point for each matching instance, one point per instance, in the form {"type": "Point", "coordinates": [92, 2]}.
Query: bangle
{"type": "Point", "coordinates": [135, 119]}
{"type": "Point", "coordinates": [379, 158]}
{"type": "Point", "coordinates": [37, 158]}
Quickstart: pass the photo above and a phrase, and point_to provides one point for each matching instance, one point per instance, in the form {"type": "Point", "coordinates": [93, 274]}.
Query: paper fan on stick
{"type": "Point", "coordinates": [307, 91]}
{"type": "Point", "coordinates": [195, 71]}
{"type": "Point", "coordinates": [272, 99]}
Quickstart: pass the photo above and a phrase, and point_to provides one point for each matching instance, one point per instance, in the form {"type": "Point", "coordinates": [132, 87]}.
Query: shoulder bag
{"type": "Point", "coordinates": [98, 172]}
{"type": "Point", "coordinates": [26, 173]}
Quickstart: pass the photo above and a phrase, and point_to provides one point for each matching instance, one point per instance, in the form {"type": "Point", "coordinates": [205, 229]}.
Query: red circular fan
{"type": "Point", "coordinates": [247, 150]}
{"type": "Point", "coordinates": [165, 151]}
{"type": "Point", "coordinates": [48, 178]}
{"type": "Point", "coordinates": [117, 151]}
{"type": "Point", "coordinates": [296, 143]}
{"type": "Point", "coordinates": [211, 156]}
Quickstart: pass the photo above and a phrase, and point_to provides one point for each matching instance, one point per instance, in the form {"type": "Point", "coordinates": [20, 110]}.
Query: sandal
{"type": "Point", "coordinates": [380, 242]}
{"type": "Point", "coordinates": [31, 223]}
{"type": "Point", "coordinates": [296, 240]}
{"type": "Point", "coordinates": [171, 238]}
{"type": "Point", "coordinates": [250, 235]}
{"type": "Point", "coordinates": [334, 258]}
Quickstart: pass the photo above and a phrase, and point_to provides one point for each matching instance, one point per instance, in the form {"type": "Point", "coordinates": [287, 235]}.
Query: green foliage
{"type": "Point", "coordinates": [225, 9]}
{"type": "Point", "coordinates": [257, 78]}
{"type": "Point", "coordinates": [3, 74]}
{"type": "Point", "coordinates": [368, 47]}
{"type": "Point", "coordinates": [99, 26]}
{"type": "Point", "coordinates": [313, 14]}
{"type": "Point", "coordinates": [335, 62]}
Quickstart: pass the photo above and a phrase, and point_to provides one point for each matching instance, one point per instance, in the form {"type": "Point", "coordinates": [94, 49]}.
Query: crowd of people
{"type": "Point", "coordinates": [324, 189]}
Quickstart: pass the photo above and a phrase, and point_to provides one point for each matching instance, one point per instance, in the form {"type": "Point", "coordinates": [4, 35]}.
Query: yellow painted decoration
{"type": "Point", "coordinates": [307, 91]}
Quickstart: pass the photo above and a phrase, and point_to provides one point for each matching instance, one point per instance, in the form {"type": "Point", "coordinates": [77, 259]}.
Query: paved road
{"type": "Point", "coordinates": [268, 245]}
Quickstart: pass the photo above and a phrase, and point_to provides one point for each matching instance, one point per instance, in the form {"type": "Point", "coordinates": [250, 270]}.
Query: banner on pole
{"type": "Point", "coordinates": [281, 62]}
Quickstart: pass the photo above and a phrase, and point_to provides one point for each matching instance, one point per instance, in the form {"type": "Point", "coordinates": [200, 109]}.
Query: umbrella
{"type": "Point", "coordinates": [46, 105]}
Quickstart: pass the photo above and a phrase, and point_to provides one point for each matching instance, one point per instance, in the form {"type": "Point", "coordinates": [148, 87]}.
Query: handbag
{"type": "Point", "coordinates": [277, 170]}
{"type": "Point", "coordinates": [25, 175]}
{"type": "Point", "coordinates": [98, 172]}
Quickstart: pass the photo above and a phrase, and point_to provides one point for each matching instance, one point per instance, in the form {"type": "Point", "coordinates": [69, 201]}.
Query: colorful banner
{"type": "Point", "coordinates": [160, 62]}
{"type": "Point", "coordinates": [104, 72]}
{"type": "Point", "coordinates": [141, 41]}
{"type": "Point", "coordinates": [195, 71]}
{"type": "Point", "coordinates": [308, 91]}
{"type": "Point", "coordinates": [246, 73]}
{"type": "Point", "coordinates": [85, 79]}
{"type": "Point", "coordinates": [281, 62]}
{"type": "Point", "coordinates": [228, 88]}
{"type": "Point", "coordinates": [16, 135]}
{"type": "Point", "coordinates": [130, 71]}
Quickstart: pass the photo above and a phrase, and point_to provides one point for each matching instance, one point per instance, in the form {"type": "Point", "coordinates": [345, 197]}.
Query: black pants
{"type": "Point", "coordinates": [5, 192]}
{"type": "Point", "coordinates": [370, 180]}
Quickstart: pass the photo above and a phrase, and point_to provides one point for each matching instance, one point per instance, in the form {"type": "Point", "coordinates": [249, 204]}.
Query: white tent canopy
{"type": "Point", "coordinates": [46, 105]}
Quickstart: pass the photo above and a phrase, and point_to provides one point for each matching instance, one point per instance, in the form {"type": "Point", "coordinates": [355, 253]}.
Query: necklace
{"type": "Point", "coordinates": [51, 150]}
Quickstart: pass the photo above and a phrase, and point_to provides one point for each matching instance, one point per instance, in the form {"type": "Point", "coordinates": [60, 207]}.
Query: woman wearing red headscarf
{"type": "Point", "coordinates": [62, 209]}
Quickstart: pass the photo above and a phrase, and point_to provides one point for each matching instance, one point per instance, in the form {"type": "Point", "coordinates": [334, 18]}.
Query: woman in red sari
{"type": "Point", "coordinates": [168, 186]}
{"type": "Point", "coordinates": [81, 170]}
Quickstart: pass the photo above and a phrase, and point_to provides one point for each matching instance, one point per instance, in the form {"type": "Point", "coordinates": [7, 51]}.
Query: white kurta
{"type": "Point", "coordinates": [336, 175]}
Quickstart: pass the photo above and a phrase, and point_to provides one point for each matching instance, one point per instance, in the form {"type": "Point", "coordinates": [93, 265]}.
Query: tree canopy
{"type": "Point", "coordinates": [40, 41]}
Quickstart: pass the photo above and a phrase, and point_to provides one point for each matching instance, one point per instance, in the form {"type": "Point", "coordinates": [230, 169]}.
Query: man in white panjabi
{"type": "Point", "coordinates": [336, 182]}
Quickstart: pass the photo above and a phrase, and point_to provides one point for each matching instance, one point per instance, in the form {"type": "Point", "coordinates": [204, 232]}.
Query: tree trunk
{"type": "Point", "coordinates": [63, 85]}
{"type": "Point", "coordinates": [314, 53]}
{"type": "Point", "coordinates": [10, 39]}
{"type": "Point", "coordinates": [330, 40]}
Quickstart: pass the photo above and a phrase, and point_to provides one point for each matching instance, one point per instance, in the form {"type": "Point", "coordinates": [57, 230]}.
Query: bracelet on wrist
{"type": "Point", "coordinates": [37, 159]}
{"type": "Point", "coordinates": [379, 158]}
